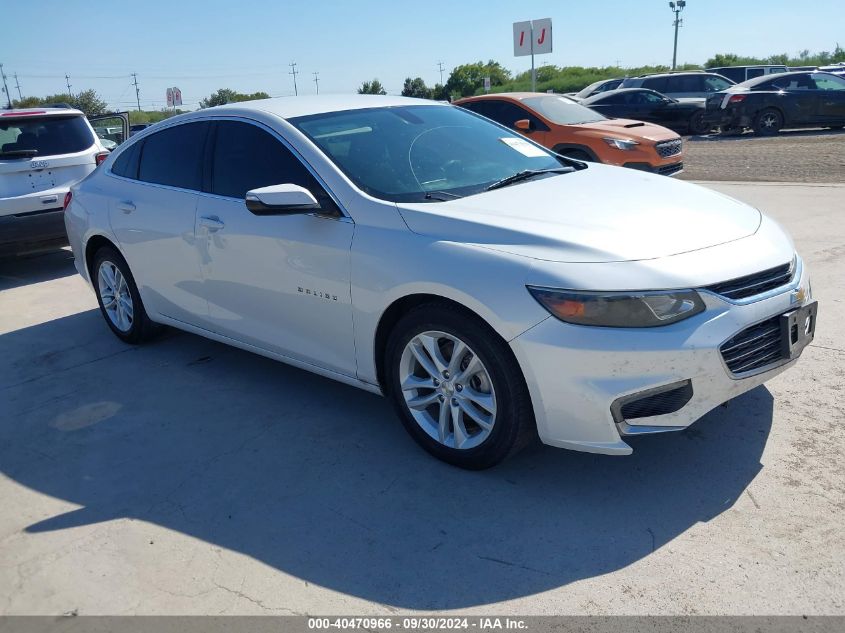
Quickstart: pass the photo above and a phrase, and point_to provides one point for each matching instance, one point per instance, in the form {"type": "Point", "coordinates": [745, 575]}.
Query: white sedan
{"type": "Point", "coordinates": [491, 289]}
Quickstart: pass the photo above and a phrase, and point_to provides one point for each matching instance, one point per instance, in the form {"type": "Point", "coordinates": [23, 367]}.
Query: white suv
{"type": "Point", "coordinates": [43, 151]}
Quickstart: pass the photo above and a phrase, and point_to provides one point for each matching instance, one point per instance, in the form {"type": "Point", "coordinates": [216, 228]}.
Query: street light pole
{"type": "Point", "coordinates": [676, 7]}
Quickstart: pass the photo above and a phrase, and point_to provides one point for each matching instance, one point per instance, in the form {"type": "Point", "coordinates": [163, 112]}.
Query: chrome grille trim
{"type": "Point", "coordinates": [669, 148]}
{"type": "Point", "coordinates": [758, 285]}
{"type": "Point", "coordinates": [755, 348]}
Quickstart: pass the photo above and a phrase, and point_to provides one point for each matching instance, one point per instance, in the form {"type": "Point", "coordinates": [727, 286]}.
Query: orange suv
{"type": "Point", "coordinates": [573, 130]}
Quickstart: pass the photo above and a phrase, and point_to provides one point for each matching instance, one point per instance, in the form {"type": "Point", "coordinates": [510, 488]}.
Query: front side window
{"type": "Point", "coordinates": [174, 156]}
{"type": "Point", "coordinates": [247, 157]}
{"type": "Point", "coordinates": [685, 83]}
{"type": "Point", "coordinates": [562, 111]}
{"type": "Point", "coordinates": [421, 153]}
{"type": "Point", "coordinates": [31, 136]}
{"type": "Point", "coordinates": [829, 82]}
{"type": "Point", "coordinates": [506, 113]}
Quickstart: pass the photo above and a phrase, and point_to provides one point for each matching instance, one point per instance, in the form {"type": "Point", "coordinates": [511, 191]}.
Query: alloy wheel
{"type": "Point", "coordinates": [115, 295]}
{"type": "Point", "coordinates": [447, 390]}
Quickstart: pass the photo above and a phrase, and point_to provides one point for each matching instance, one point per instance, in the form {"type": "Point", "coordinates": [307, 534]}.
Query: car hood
{"type": "Point", "coordinates": [599, 214]}
{"type": "Point", "coordinates": [633, 129]}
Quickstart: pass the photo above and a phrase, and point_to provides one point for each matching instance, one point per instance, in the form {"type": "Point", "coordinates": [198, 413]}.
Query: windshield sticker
{"type": "Point", "coordinates": [524, 147]}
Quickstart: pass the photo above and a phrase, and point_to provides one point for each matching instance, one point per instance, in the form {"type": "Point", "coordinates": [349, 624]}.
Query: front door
{"type": "Point", "coordinates": [277, 282]}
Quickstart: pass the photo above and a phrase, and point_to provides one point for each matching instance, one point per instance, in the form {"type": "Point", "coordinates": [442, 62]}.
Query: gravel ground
{"type": "Point", "coordinates": [797, 156]}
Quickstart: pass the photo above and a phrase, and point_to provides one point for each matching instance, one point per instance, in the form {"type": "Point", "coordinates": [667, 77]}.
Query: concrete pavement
{"type": "Point", "coordinates": [187, 477]}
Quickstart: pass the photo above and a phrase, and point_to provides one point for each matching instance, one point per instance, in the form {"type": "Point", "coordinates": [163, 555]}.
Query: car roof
{"type": "Point", "coordinates": [601, 95]}
{"type": "Point", "coordinates": [290, 107]}
{"type": "Point", "coordinates": [41, 111]}
{"type": "Point", "coordinates": [764, 78]}
{"type": "Point", "coordinates": [674, 74]}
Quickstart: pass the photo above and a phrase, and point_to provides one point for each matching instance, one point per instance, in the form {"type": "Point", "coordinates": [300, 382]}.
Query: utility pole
{"type": "Point", "coordinates": [294, 72]}
{"type": "Point", "coordinates": [67, 81]}
{"type": "Point", "coordinates": [137, 91]}
{"type": "Point", "coordinates": [440, 66]}
{"type": "Point", "coordinates": [677, 7]}
{"type": "Point", "coordinates": [5, 87]}
{"type": "Point", "coordinates": [317, 81]}
{"type": "Point", "coordinates": [18, 86]}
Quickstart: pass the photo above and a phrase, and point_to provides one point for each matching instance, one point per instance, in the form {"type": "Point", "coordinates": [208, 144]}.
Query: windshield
{"type": "Point", "coordinates": [421, 153]}
{"type": "Point", "coordinates": [562, 111]}
{"type": "Point", "coordinates": [44, 136]}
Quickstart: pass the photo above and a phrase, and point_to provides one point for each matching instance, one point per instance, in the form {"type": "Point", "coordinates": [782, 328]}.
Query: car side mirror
{"type": "Point", "coordinates": [285, 199]}
{"type": "Point", "coordinates": [524, 125]}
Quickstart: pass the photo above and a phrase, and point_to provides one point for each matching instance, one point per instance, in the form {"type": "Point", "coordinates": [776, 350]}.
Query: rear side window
{"type": "Point", "coordinates": [126, 164]}
{"type": "Point", "coordinates": [247, 157]}
{"type": "Point", "coordinates": [657, 83]}
{"type": "Point", "coordinates": [45, 136]}
{"type": "Point", "coordinates": [174, 156]}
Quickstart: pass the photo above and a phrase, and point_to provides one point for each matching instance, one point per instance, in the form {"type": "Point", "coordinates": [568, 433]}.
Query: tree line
{"type": "Point", "coordinates": [464, 80]}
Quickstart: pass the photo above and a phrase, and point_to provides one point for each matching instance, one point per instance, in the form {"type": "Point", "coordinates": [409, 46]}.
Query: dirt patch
{"type": "Point", "coordinates": [797, 156]}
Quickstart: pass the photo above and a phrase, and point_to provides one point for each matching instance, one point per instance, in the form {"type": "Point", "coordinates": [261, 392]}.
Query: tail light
{"type": "Point", "coordinates": [737, 99]}
{"type": "Point", "coordinates": [68, 198]}
{"type": "Point", "coordinates": [100, 157]}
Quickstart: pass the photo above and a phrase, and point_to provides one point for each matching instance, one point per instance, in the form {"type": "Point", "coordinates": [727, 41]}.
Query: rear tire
{"type": "Point", "coordinates": [768, 122]}
{"type": "Point", "coordinates": [120, 302]}
{"type": "Point", "coordinates": [457, 387]}
{"type": "Point", "coordinates": [697, 125]}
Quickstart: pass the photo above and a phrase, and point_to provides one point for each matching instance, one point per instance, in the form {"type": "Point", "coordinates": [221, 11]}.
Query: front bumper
{"type": "Point", "coordinates": [578, 376]}
{"type": "Point", "coordinates": [667, 169]}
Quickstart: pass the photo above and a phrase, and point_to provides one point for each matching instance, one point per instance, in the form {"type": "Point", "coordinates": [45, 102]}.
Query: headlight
{"type": "Point", "coordinates": [619, 309]}
{"type": "Point", "coordinates": [621, 143]}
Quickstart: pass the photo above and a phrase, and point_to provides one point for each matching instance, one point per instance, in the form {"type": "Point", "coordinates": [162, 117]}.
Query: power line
{"type": "Point", "coordinates": [137, 91]}
{"type": "Point", "coordinates": [294, 72]}
{"type": "Point", "coordinates": [317, 80]}
{"type": "Point", "coordinates": [18, 86]}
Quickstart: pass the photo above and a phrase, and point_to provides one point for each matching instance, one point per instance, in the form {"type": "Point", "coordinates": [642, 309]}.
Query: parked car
{"type": "Point", "coordinates": [42, 152]}
{"type": "Point", "coordinates": [684, 117]}
{"type": "Point", "coordinates": [138, 127]}
{"type": "Point", "coordinates": [787, 100]}
{"type": "Point", "coordinates": [739, 74]}
{"type": "Point", "coordinates": [595, 88]}
{"type": "Point", "coordinates": [835, 69]}
{"type": "Point", "coordinates": [491, 289]}
{"type": "Point", "coordinates": [570, 129]}
{"type": "Point", "coordinates": [681, 86]}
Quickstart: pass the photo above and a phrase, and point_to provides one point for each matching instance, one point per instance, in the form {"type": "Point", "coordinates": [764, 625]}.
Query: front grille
{"type": "Point", "coordinates": [758, 283]}
{"type": "Point", "coordinates": [669, 148]}
{"type": "Point", "coordinates": [668, 170]}
{"type": "Point", "coordinates": [754, 347]}
{"type": "Point", "coordinates": [659, 403]}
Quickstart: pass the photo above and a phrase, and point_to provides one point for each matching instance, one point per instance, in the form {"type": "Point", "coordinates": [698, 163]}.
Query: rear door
{"type": "Point", "coordinates": [153, 215]}
{"type": "Point", "coordinates": [41, 155]}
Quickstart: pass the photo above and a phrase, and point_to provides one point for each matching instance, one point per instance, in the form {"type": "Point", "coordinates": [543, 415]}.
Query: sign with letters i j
{"type": "Point", "coordinates": [532, 37]}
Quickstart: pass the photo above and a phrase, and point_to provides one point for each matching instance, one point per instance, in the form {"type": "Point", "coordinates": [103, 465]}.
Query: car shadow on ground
{"type": "Point", "coordinates": [21, 271]}
{"type": "Point", "coordinates": [319, 480]}
{"type": "Point", "coordinates": [750, 135]}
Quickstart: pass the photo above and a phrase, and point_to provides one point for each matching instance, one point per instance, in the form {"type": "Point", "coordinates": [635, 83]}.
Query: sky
{"type": "Point", "coordinates": [203, 45]}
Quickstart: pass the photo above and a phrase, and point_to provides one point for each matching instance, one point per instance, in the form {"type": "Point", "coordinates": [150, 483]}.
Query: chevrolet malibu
{"type": "Point", "coordinates": [493, 290]}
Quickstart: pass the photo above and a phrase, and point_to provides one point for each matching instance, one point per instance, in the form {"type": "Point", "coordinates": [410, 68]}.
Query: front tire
{"type": "Point", "coordinates": [768, 122]}
{"type": "Point", "coordinates": [457, 388]}
{"type": "Point", "coordinates": [117, 294]}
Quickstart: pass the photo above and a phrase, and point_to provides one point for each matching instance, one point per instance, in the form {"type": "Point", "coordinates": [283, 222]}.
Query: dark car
{"type": "Point", "coordinates": [595, 88]}
{"type": "Point", "coordinates": [786, 100]}
{"type": "Point", "coordinates": [681, 85]}
{"type": "Point", "coordinates": [684, 117]}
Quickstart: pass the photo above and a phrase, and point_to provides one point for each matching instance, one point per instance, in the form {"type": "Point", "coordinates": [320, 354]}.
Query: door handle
{"type": "Point", "coordinates": [211, 223]}
{"type": "Point", "coordinates": [126, 206]}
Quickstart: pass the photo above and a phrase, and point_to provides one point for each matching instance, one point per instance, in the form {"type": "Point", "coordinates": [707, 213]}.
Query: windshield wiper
{"type": "Point", "coordinates": [19, 153]}
{"type": "Point", "coordinates": [526, 174]}
{"type": "Point", "coordinates": [438, 195]}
